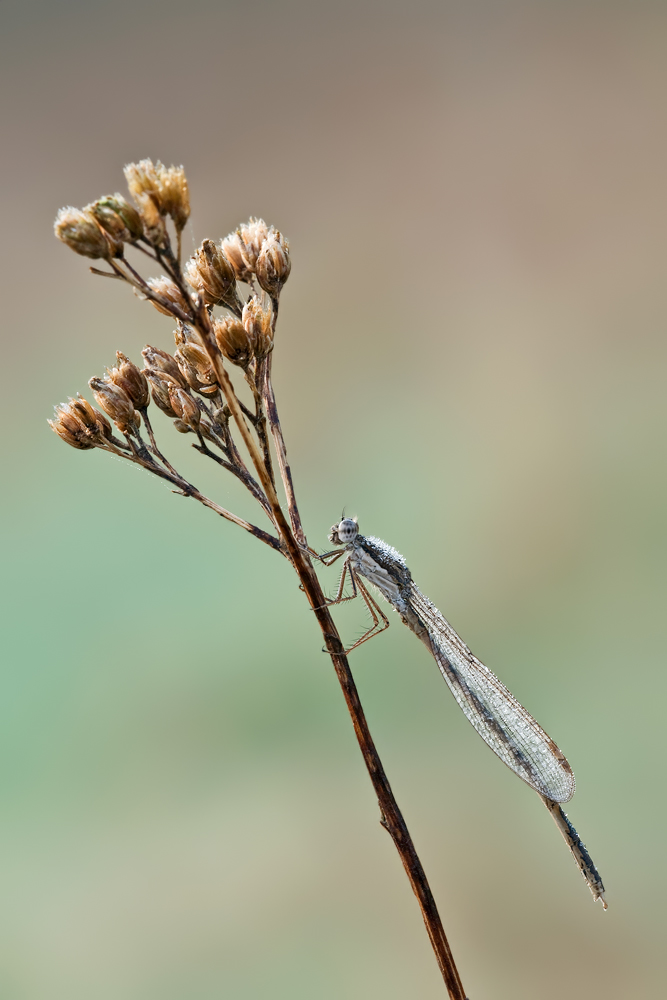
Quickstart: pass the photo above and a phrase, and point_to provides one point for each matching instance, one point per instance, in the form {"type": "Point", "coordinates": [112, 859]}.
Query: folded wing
{"type": "Point", "coordinates": [500, 720]}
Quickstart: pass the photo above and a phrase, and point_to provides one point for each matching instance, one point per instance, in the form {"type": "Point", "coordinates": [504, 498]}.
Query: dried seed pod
{"type": "Point", "coordinates": [79, 229]}
{"type": "Point", "coordinates": [80, 425]}
{"type": "Point", "coordinates": [273, 264]}
{"type": "Point", "coordinates": [197, 356]}
{"type": "Point", "coordinates": [212, 274]}
{"type": "Point", "coordinates": [118, 218]}
{"type": "Point", "coordinates": [68, 426]}
{"type": "Point", "coordinates": [163, 362]}
{"type": "Point", "coordinates": [159, 384]}
{"type": "Point", "coordinates": [182, 427]}
{"type": "Point", "coordinates": [174, 194]}
{"type": "Point", "coordinates": [159, 191]}
{"type": "Point", "coordinates": [257, 320]}
{"type": "Point", "coordinates": [129, 378]}
{"type": "Point", "coordinates": [142, 181]}
{"type": "Point", "coordinates": [116, 403]}
{"type": "Point", "coordinates": [184, 407]}
{"type": "Point", "coordinates": [95, 422]}
{"type": "Point", "coordinates": [232, 339]}
{"type": "Point", "coordinates": [200, 380]}
{"type": "Point", "coordinates": [169, 291]}
{"type": "Point", "coordinates": [252, 233]}
{"type": "Point", "coordinates": [234, 249]}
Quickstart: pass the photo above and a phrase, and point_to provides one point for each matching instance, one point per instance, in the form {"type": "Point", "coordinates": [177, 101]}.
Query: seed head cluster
{"type": "Point", "coordinates": [224, 306]}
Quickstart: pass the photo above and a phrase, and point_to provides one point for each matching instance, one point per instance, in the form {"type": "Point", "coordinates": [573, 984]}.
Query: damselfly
{"type": "Point", "coordinates": [500, 720]}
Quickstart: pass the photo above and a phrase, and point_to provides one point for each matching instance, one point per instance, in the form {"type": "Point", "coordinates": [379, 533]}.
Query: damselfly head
{"type": "Point", "coordinates": [344, 532]}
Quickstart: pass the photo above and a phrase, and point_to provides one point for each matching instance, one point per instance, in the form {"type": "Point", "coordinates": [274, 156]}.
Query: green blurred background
{"type": "Point", "coordinates": [472, 358]}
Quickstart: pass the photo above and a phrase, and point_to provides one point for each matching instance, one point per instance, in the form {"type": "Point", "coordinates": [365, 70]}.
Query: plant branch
{"type": "Point", "coordinates": [281, 450]}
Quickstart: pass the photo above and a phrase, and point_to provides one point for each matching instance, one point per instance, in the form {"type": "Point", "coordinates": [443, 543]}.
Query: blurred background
{"type": "Point", "coordinates": [471, 358]}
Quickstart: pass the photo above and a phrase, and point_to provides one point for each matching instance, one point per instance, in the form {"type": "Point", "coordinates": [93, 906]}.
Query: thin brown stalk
{"type": "Point", "coordinates": [391, 816]}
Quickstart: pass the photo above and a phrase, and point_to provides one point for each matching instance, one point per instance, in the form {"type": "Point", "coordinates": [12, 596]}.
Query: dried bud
{"type": "Point", "coordinates": [197, 356]}
{"type": "Point", "coordinates": [233, 341]}
{"type": "Point", "coordinates": [211, 272]}
{"type": "Point", "coordinates": [234, 249]}
{"type": "Point", "coordinates": [273, 264]}
{"type": "Point", "coordinates": [184, 407]}
{"type": "Point", "coordinates": [201, 379]}
{"type": "Point", "coordinates": [118, 218]}
{"type": "Point", "coordinates": [174, 194]}
{"type": "Point", "coordinates": [160, 389]}
{"type": "Point", "coordinates": [182, 427]}
{"type": "Point", "coordinates": [70, 428]}
{"type": "Point", "coordinates": [142, 180]}
{"type": "Point", "coordinates": [163, 362]}
{"type": "Point", "coordinates": [169, 291]}
{"type": "Point", "coordinates": [252, 233]}
{"type": "Point", "coordinates": [257, 320]}
{"type": "Point", "coordinates": [95, 422]}
{"type": "Point", "coordinates": [116, 402]}
{"type": "Point", "coordinates": [80, 425]}
{"type": "Point", "coordinates": [129, 378]}
{"type": "Point", "coordinates": [159, 191]}
{"type": "Point", "coordinates": [79, 230]}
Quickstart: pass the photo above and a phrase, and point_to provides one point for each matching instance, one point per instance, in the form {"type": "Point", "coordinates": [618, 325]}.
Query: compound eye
{"type": "Point", "coordinates": [347, 529]}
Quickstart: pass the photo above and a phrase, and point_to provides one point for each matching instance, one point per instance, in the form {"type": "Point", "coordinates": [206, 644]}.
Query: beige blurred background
{"type": "Point", "coordinates": [471, 358]}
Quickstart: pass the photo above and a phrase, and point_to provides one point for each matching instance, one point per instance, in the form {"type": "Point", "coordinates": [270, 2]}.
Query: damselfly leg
{"type": "Point", "coordinates": [380, 620]}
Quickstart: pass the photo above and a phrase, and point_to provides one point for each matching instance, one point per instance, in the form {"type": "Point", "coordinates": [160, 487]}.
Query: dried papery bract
{"type": "Point", "coordinates": [212, 274]}
{"type": "Point", "coordinates": [79, 230]}
{"type": "Point", "coordinates": [273, 264]}
{"type": "Point", "coordinates": [258, 323]}
{"type": "Point", "coordinates": [116, 403]}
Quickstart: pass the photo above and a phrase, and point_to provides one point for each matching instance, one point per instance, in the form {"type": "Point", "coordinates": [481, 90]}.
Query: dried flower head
{"type": "Point", "coordinates": [273, 264]}
{"type": "Point", "coordinates": [160, 383]}
{"type": "Point", "coordinates": [258, 322]}
{"type": "Point", "coordinates": [252, 233]}
{"type": "Point", "coordinates": [174, 194]}
{"type": "Point", "coordinates": [171, 293]}
{"type": "Point", "coordinates": [159, 191]}
{"type": "Point", "coordinates": [211, 273]}
{"type": "Point", "coordinates": [80, 425]}
{"type": "Point", "coordinates": [184, 407]}
{"type": "Point", "coordinates": [129, 378]}
{"type": "Point", "coordinates": [233, 340]}
{"type": "Point", "coordinates": [117, 218]}
{"type": "Point", "coordinates": [234, 249]}
{"type": "Point", "coordinates": [116, 403]}
{"type": "Point", "coordinates": [197, 374]}
{"type": "Point", "coordinates": [79, 229]}
{"type": "Point", "coordinates": [161, 361]}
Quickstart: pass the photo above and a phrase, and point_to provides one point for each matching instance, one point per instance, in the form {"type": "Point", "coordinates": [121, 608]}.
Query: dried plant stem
{"type": "Point", "coordinates": [391, 817]}
{"type": "Point", "coordinates": [281, 450]}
